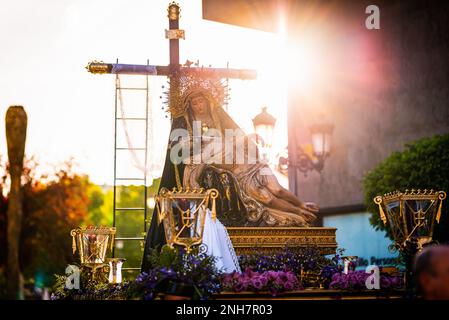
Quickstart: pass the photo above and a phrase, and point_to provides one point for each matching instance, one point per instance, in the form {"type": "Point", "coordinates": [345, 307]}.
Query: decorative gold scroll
{"type": "Point", "coordinates": [250, 240]}
{"type": "Point", "coordinates": [189, 220]}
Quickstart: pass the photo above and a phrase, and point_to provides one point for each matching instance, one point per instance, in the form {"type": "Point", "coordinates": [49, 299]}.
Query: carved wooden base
{"type": "Point", "coordinates": [247, 240]}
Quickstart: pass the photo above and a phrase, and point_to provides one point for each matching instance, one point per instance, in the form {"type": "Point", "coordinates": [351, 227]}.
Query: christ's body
{"type": "Point", "coordinates": [263, 186]}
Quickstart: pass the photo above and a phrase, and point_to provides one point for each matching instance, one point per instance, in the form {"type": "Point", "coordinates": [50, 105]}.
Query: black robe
{"type": "Point", "coordinates": [233, 214]}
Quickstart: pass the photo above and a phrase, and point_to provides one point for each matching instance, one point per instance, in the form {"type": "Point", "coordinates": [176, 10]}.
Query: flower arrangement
{"type": "Point", "coordinates": [327, 273]}
{"type": "Point", "coordinates": [295, 259]}
{"type": "Point", "coordinates": [356, 280]}
{"type": "Point", "coordinates": [89, 289]}
{"type": "Point", "coordinates": [192, 274]}
{"type": "Point", "coordinates": [314, 269]}
{"type": "Point", "coordinates": [275, 282]}
{"type": "Point", "coordinates": [176, 271]}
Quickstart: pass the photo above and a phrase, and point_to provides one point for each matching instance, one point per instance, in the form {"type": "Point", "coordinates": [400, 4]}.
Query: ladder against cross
{"type": "Point", "coordinates": [173, 70]}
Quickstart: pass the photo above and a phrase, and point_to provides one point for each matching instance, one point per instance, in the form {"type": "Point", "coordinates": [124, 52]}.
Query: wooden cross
{"type": "Point", "coordinates": [174, 68]}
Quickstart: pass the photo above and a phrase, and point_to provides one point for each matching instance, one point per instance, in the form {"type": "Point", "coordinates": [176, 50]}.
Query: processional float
{"type": "Point", "coordinates": [244, 239]}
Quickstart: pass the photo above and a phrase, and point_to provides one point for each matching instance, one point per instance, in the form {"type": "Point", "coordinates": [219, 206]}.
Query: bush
{"type": "Point", "coordinates": [423, 164]}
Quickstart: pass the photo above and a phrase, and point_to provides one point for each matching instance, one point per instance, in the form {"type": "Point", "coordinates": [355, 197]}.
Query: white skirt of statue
{"type": "Point", "coordinates": [219, 245]}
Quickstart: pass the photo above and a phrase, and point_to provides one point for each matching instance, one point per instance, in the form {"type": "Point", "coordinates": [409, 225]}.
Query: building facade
{"type": "Point", "coordinates": [386, 88]}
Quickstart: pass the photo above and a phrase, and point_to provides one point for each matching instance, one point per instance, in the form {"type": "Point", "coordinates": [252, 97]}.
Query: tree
{"type": "Point", "coordinates": [100, 206]}
{"type": "Point", "coordinates": [52, 206]}
{"type": "Point", "coordinates": [423, 164]}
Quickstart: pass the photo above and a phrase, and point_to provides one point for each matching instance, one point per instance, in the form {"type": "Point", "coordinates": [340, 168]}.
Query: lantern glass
{"type": "Point", "coordinates": [188, 220]}
{"type": "Point", "coordinates": [265, 131]}
{"type": "Point", "coordinates": [321, 139]}
{"type": "Point", "coordinates": [321, 144]}
{"type": "Point", "coordinates": [263, 126]}
{"type": "Point", "coordinates": [95, 246]}
{"type": "Point", "coordinates": [396, 221]}
{"type": "Point", "coordinates": [420, 216]}
{"type": "Point", "coordinates": [92, 243]}
{"type": "Point", "coordinates": [183, 220]}
{"type": "Point", "coordinates": [183, 214]}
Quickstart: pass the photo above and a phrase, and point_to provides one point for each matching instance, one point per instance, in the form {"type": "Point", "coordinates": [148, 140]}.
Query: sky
{"type": "Point", "coordinates": [46, 44]}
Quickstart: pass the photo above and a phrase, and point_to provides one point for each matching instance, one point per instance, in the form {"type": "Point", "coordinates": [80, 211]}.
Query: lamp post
{"type": "Point", "coordinates": [321, 144]}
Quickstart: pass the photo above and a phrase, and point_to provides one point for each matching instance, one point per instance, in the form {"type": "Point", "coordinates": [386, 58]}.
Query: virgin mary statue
{"type": "Point", "coordinates": [207, 149]}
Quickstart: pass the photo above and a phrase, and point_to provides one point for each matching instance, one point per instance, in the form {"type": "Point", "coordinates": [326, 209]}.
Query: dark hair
{"type": "Point", "coordinates": [423, 262]}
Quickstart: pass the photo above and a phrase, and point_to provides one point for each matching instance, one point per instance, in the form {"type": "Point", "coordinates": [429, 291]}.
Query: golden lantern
{"type": "Point", "coordinates": [183, 214]}
{"type": "Point", "coordinates": [411, 215]}
{"type": "Point", "coordinates": [92, 243]}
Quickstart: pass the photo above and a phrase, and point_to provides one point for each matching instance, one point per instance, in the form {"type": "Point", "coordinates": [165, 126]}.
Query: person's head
{"type": "Point", "coordinates": [431, 269]}
{"type": "Point", "coordinates": [199, 104]}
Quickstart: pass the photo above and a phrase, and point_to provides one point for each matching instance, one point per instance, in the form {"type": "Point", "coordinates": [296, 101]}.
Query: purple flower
{"type": "Point", "coordinates": [251, 273]}
{"type": "Point", "coordinates": [238, 287]}
{"type": "Point", "coordinates": [396, 282]}
{"type": "Point", "coordinates": [272, 275]}
{"type": "Point", "coordinates": [279, 282]}
{"type": "Point", "coordinates": [257, 283]}
{"type": "Point", "coordinates": [289, 286]}
{"type": "Point", "coordinates": [291, 277]}
{"type": "Point", "coordinates": [283, 276]}
{"type": "Point", "coordinates": [141, 277]}
{"type": "Point", "coordinates": [385, 283]}
{"type": "Point", "coordinates": [149, 296]}
{"type": "Point", "coordinates": [263, 279]}
{"type": "Point", "coordinates": [336, 277]}
{"type": "Point", "coordinates": [334, 285]}
{"type": "Point", "coordinates": [227, 278]}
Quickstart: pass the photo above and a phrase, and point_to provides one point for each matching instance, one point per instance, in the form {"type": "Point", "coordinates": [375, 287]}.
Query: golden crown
{"type": "Point", "coordinates": [192, 82]}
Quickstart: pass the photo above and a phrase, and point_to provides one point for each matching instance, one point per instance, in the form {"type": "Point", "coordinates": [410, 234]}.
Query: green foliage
{"type": "Point", "coordinates": [89, 290]}
{"type": "Point", "coordinates": [423, 164]}
{"type": "Point", "coordinates": [100, 206]}
{"type": "Point", "coordinates": [194, 268]}
{"type": "Point", "coordinates": [167, 258]}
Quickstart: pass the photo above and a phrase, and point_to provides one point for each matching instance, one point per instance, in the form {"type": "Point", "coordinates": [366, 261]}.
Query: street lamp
{"type": "Point", "coordinates": [321, 136]}
{"type": "Point", "coordinates": [264, 127]}
{"type": "Point", "coordinates": [321, 144]}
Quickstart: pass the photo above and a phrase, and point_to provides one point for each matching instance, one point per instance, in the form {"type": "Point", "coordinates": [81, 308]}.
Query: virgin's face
{"type": "Point", "coordinates": [199, 105]}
